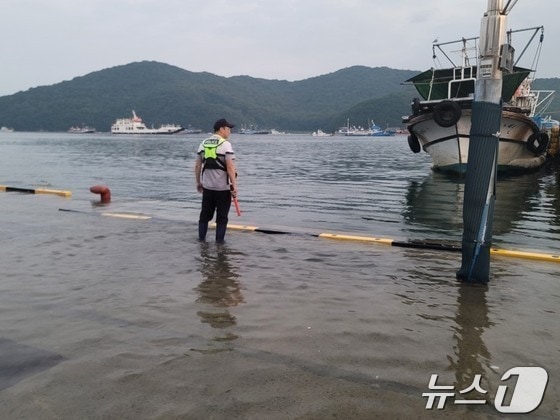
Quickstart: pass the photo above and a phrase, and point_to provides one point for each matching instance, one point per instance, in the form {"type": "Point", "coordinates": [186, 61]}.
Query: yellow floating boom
{"type": "Point", "coordinates": [385, 241]}
{"type": "Point", "coordinates": [36, 191]}
{"type": "Point", "coordinates": [127, 215]}
{"type": "Point", "coordinates": [437, 245]}
{"type": "Point", "coordinates": [526, 255]}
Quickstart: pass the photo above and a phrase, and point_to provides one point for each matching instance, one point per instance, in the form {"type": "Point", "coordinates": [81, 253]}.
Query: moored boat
{"type": "Point", "coordinates": [192, 130]}
{"type": "Point", "coordinates": [135, 125]}
{"type": "Point", "coordinates": [440, 122]}
{"type": "Point", "coordinates": [372, 131]}
{"type": "Point", "coordinates": [552, 128]}
{"type": "Point", "coordinates": [81, 130]}
{"type": "Point", "coordinates": [252, 129]}
{"type": "Point", "coordinates": [321, 133]}
{"type": "Point", "coordinates": [377, 131]}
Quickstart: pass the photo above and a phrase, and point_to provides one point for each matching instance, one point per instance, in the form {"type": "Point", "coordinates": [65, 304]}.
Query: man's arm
{"type": "Point", "coordinates": [197, 172]}
{"type": "Point", "coordinates": [232, 173]}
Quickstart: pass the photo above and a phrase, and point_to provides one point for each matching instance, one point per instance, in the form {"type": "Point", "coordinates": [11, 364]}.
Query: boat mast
{"type": "Point", "coordinates": [495, 57]}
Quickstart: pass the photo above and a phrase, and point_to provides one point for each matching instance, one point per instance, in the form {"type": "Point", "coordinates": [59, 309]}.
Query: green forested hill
{"type": "Point", "coordinates": [161, 93]}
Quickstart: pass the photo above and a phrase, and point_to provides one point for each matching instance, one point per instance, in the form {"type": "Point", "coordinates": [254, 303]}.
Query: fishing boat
{"type": "Point", "coordinates": [440, 121]}
{"type": "Point", "coordinates": [321, 133]}
{"type": "Point", "coordinates": [377, 131]}
{"type": "Point", "coordinates": [252, 129]}
{"type": "Point", "coordinates": [356, 131]}
{"type": "Point", "coordinates": [372, 131]}
{"type": "Point", "coordinates": [5, 129]}
{"type": "Point", "coordinates": [552, 128]}
{"type": "Point", "coordinates": [192, 130]}
{"type": "Point", "coordinates": [135, 125]}
{"type": "Point", "coordinates": [81, 130]}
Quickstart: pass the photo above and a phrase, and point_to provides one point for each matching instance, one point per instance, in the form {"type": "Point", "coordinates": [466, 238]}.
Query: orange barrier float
{"type": "Point", "coordinates": [103, 191]}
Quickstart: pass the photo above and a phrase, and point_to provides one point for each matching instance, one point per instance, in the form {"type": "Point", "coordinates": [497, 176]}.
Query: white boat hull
{"type": "Point", "coordinates": [449, 146]}
{"type": "Point", "coordinates": [81, 130]}
{"type": "Point", "coordinates": [135, 125]}
{"type": "Point", "coordinates": [146, 132]}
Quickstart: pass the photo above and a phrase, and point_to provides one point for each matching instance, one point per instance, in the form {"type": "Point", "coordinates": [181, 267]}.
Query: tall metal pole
{"type": "Point", "coordinates": [480, 181]}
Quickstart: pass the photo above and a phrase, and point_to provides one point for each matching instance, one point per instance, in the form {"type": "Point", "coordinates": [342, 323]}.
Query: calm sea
{"type": "Point", "coordinates": [105, 317]}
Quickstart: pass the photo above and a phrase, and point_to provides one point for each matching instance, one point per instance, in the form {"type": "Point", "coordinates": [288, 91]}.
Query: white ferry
{"type": "Point", "coordinates": [135, 125]}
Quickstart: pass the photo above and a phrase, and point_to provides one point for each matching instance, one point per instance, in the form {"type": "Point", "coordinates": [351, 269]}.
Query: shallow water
{"type": "Point", "coordinates": [115, 318]}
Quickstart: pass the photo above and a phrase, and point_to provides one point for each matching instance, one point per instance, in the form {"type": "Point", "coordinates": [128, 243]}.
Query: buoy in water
{"type": "Point", "coordinates": [102, 190]}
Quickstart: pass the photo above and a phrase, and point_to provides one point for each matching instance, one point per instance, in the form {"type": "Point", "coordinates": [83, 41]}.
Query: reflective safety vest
{"type": "Point", "coordinates": [211, 159]}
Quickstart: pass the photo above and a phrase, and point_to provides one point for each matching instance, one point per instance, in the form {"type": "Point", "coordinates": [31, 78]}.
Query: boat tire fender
{"type": "Point", "coordinates": [413, 143]}
{"type": "Point", "coordinates": [446, 113]}
{"type": "Point", "coordinates": [538, 143]}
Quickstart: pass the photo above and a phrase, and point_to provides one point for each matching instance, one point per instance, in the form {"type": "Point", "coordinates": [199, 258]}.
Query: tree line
{"type": "Point", "coordinates": [161, 93]}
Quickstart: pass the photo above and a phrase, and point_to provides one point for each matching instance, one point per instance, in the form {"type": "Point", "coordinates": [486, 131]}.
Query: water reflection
{"type": "Point", "coordinates": [99, 204]}
{"type": "Point", "coordinates": [471, 320]}
{"type": "Point", "coordinates": [219, 288]}
{"type": "Point", "coordinates": [437, 202]}
{"type": "Point", "coordinates": [552, 193]}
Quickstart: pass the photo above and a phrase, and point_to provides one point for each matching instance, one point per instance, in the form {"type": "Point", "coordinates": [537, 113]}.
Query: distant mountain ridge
{"type": "Point", "coordinates": [162, 93]}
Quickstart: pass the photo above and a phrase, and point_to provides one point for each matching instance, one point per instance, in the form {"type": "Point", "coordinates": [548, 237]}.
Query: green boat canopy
{"type": "Point", "coordinates": [462, 86]}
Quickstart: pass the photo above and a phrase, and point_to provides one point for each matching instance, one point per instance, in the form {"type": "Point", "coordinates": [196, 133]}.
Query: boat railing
{"type": "Point", "coordinates": [461, 75]}
{"type": "Point", "coordinates": [541, 101]}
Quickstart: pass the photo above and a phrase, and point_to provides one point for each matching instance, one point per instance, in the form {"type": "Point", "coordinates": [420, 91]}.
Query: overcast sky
{"type": "Point", "coordinates": [43, 42]}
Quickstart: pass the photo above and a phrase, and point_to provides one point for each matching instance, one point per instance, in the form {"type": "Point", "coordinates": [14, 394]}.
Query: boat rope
{"type": "Point", "coordinates": [537, 57]}
{"type": "Point", "coordinates": [539, 46]}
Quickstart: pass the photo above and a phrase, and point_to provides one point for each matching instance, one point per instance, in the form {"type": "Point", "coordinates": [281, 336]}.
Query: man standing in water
{"type": "Point", "coordinates": [215, 175]}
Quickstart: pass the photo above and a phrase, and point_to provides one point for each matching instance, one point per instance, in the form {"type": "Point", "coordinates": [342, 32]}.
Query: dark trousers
{"type": "Point", "coordinates": [214, 201]}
